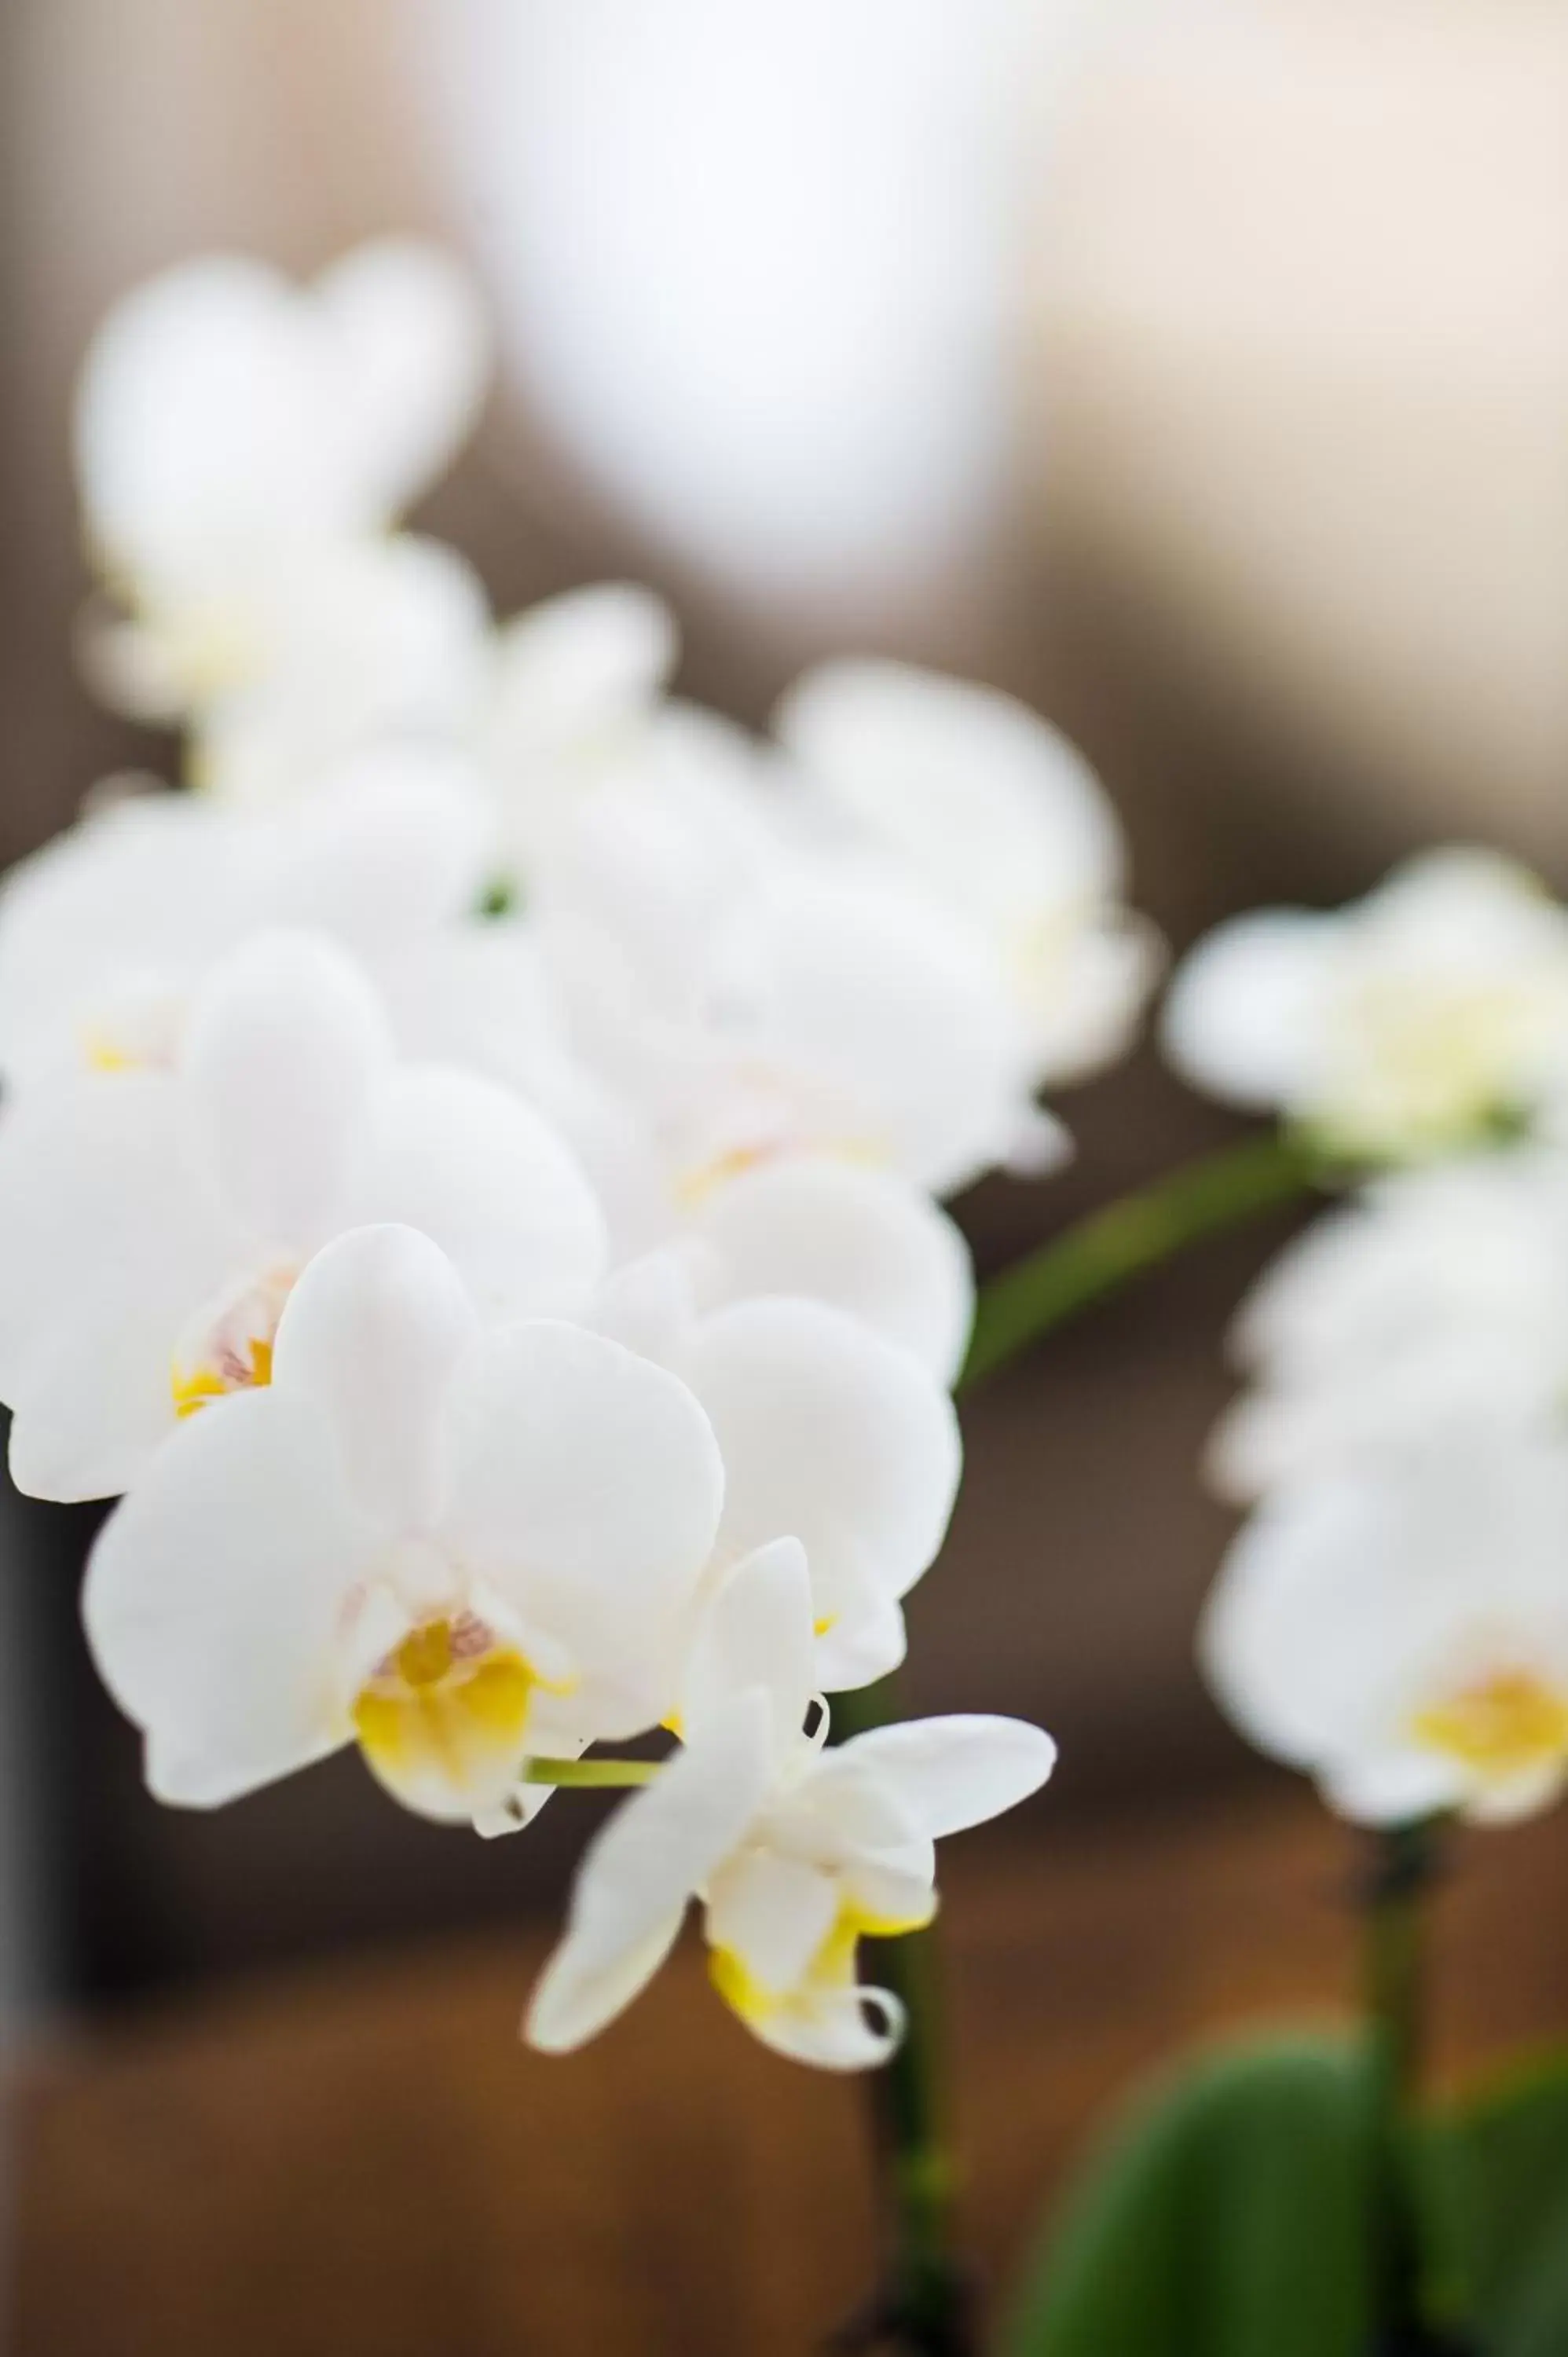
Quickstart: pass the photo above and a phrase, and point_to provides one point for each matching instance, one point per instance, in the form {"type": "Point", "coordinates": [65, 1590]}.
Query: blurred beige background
{"type": "Point", "coordinates": [1201, 373]}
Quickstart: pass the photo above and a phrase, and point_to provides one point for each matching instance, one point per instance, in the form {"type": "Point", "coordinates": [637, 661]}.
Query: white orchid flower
{"type": "Point", "coordinates": [877, 1031]}
{"type": "Point", "coordinates": [1403, 1635]}
{"type": "Point", "coordinates": [794, 1852]}
{"type": "Point", "coordinates": [235, 434]}
{"type": "Point", "coordinates": [223, 410]}
{"type": "Point", "coordinates": [1435, 1303]}
{"type": "Point", "coordinates": [747, 991]}
{"type": "Point", "coordinates": [1408, 1026]}
{"type": "Point", "coordinates": [453, 1542]}
{"type": "Point", "coordinates": [153, 1222]}
{"type": "Point", "coordinates": [377, 639]}
{"type": "Point", "coordinates": [106, 931]}
{"type": "Point", "coordinates": [575, 685]}
{"type": "Point", "coordinates": [829, 1435]}
{"type": "Point", "coordinates": [1000, 819]}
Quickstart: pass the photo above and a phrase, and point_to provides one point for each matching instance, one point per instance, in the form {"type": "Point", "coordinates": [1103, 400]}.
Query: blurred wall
{"type": "Point", "coordinates": [1300, 340]}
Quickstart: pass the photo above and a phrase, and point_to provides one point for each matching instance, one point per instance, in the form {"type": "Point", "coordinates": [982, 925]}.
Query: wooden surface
{"type": "Point", "coordinates": [361, 2161]}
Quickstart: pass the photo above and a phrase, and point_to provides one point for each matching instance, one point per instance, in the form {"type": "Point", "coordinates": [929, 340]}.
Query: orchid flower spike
{"type": "Point", "coordinates": [1002, 822]}
{"type": "Point", "coordinates": [453, 1544]}
{"type": "Point", "coordinates": [153, 1222]}
{"type": "Point", "coordinates": [1401, 1633]}
{"type": "Point", "coordinates": [1417, 1023]}
{"type": "Point", "coordinates": [794, 1852]}
{"type": "Point", "coordinates": [828, 1434]}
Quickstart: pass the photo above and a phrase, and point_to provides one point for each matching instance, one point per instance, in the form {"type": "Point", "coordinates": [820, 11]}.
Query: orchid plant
{"type": "Point", "coordinates": [471, 1188]}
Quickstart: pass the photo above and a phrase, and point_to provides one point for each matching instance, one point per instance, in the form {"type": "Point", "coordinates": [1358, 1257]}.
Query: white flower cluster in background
{"type": "Point", "coordinates": [471, 1161]}
{"type": "Point", "coordinates": [1393, 1617]}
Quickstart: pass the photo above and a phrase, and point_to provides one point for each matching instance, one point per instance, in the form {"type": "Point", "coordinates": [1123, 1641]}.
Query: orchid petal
{"type": "Point", "coordinates": [756, 1632]}
{"type": "Point", "coordinates": [951, 1773]}
{"type": "Point", "coordinates": [215, 1593]}
{"type": "Point", "coordinates": [577, 666]}
{"type": "Point", "coordinates": [853, 2027]}
{"type": "Point", "coordinates": [1242, 1015]}
{"type": "Point", "coordinates": [641, 1870]}
{"type": "Point", "coordinates": [772, 1913]}
{"type": "Point", "coordinates": [372, 1335]}
{"type": "Point", "coordinates": [110, 1239]}
{"type": "Point", "coordinates": [408, 342]}
{"type": "Point", "coordinates": [474, 1168]}
{"type": "Point", "coordinates": [863, 1241]}
{"type": "Point", "coordinates": [585, 1489]}
{"type": "Point", "coordinates": [829, 1436]}
{"type": "Point", "coordinates": [982, 796]}
{"type": "Point", "coordinates": [285, 1046]}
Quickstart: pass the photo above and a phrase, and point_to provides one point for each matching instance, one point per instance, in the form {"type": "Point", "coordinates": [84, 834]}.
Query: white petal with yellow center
{"type": "Point", "coordinates": [1502, 1727]}
{"type": "Point", "coordinates": [442, 1721]}
{"type": "Point", "coordinates": [229, 1347]}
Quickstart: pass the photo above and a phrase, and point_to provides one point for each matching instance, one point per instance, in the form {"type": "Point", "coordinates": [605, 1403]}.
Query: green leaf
{"type": "Point", "coordinates": [1223, 2219]}
{"type": "Point", "coordinates": [1497, 2174]}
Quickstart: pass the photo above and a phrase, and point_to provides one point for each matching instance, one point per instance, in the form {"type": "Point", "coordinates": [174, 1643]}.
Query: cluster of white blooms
{"type": "Point", "coordinates": [1394, 1615]}
{"type": "Point", "coordinates": [470, 1163]}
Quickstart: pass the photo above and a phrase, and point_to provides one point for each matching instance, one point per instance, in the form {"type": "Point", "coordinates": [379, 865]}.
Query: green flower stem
{"type": "Point", "coordinates": [1138, 1231]}
{"type": "Point", "coordinates": [925, 2304]}
{"type": "Point", "coordinates": [591, 1775]}
{"type": "Point", "coordinates": [1406, 1861]}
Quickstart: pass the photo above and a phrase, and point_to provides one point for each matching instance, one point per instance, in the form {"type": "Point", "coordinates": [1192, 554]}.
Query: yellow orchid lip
{"type": "Point", "coordinates": [197, 1387]}
{"type": "Point", "coordinates": [103, 1054]}
{"type": "Point", "coordinates": [831, 1967]}
{"type": "Point", "coordinates": [448, 1710]}
{"type": "Point", "coordinates": [231, 1349]}
{"type": "Point", "coordinates": [1502, 1727]}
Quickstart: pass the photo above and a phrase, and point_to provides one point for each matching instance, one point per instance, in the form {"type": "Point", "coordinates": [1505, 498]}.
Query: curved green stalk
{"type": "Point", "coordinates": [1138, 1231]}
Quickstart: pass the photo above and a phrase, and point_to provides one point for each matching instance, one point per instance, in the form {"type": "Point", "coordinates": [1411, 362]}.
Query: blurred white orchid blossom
{"type": "Point", "coordinates": [224, 412]}
{"type": "Point", "coordinates": [241, 447]}
{"type": "Point", "coordinates": [750, 988]}
{"type": "Point", "coordinates": [453, 1542]}
{"type": "Point", "coordinates": [153, 1220]}
{"type": "Point", "coordinates": [1410, 1025]}
{"type": "Point", "coordinates": [1002, 821]}
{"type": "Point", "coordinates": [574, 686]}
{"type": "Point", "coordinates": [382, 639]}
{"type": "Point", "coordinates": [1434, 1303]}
{"type": "Point", "coordinates": [795, 1852]}
{"type": "Point", "coordinates": [106, 931]}
{"type": "Point", "coordinates": [1402, 1633]}
{"type": "Point", "coordinates": [396, 637]}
